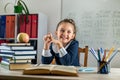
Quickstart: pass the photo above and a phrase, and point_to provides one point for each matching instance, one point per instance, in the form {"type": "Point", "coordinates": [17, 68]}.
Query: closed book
{"type": "Point", "coordinates": [6, 55]}
{"type": "Point", "coordinates": [21, 23]}
{"type": "Point", "coordinates": [2, 26]}
{"type": "Point", "coordinates": [15, 66]}
{"type": "Point", "coordinates": [12, 30]}
{"type": "Point", "coordinates": [9, 60]}
{"type": "Point", "coordinates": [15, 44]}
{"type": "Point", "coordinates": [21, 52]}
{"type": "Point", "coordinates": [12, 56]}
{"type": "Point", "coordinates": [34, 27]}
{"type": "Point", "coordinates": [28, 24]}
{"type": "Point", "coordinates": [24, 57]}
{"type": "Point", "coordinates": [20, 61]}
{"type": "Point", "coordinates": [10, 26]}
{"type": "Point", "coordinates": [8, 20]}
{"type": "Point", "coordinates": [17, 47]}
{"type": "Point", "coordinates": [51, 70]}
{"type": "Point", "coordinates": [2, 41]}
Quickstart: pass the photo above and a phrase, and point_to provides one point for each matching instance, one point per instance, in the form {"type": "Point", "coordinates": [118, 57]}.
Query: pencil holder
{"type": "Point", "coordinates": [103, 67]}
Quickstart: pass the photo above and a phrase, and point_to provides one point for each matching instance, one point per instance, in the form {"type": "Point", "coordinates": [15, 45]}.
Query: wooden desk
{"type": "Point", "coordinates": [17, 75]}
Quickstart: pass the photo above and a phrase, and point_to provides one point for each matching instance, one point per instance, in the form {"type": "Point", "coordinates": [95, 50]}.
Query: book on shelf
{"type": "Point", "coordinates": [2, 26]}
{"type": "Point", "coordinates": [10, 26]}
{"type": "Point", "coordinates": [15, 66]}
{"type": "Point", "coordinates": [34, 27]}
{"type": "Point", "coordinates": [15, 44]}
{"type": "Point", "coordinates": [21, 23]}
{"type": "Point", "coordinates": [51, 69]}
{"type": "Point", "coordinates": [28, 25]}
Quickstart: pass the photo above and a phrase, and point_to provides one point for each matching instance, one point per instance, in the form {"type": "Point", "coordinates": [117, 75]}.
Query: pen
{"type": "Point", "coordinates": [104, 55]}
{"type": "Point", "coordinates": [99, 57]}
{"type": "Point", "coordinates": [93, 54]}
{"type": "Point", "coordinates": [115, 52]}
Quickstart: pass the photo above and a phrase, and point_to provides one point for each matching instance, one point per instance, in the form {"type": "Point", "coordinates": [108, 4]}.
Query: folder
{"type": "Point", "coordinates": [8, 20]}
{"type": "Point", "coordinates": [34, 28]}
{"type": "Point", "coordinates": [10, 26]}
{"type": "Point", "coordinates": [2, 26]}
{"type": "Point", "coordinates": [12, 29]}
{"type": "Point", "coordinates": [28, 24]}
{"type": "Point", "coordinates": [21, 23]}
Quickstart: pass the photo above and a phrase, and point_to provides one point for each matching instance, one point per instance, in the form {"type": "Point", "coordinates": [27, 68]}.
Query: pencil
{"type": "Point", "coordinates": [110, 52]}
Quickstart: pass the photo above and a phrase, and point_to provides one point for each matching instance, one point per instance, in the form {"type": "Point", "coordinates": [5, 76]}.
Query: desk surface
{"type": "Point", "coordinates": [17, 75]}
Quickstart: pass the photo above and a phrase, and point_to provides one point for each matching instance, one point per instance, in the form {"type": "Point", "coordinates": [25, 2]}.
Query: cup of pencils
{"type": "Point", "coordinates": [103, 67]}
{"type": "Point", "coordinates": [103, 58]}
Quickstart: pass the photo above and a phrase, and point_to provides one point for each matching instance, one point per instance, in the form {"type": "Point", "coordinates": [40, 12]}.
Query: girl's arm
{"type": "Point", "coordinates": [69, 56]}
{"type": "Point", "coordinates": [46, 55]}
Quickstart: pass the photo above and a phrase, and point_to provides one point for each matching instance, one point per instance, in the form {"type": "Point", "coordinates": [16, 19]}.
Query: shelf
{"type": "Point", "coordinates": [36, 29]}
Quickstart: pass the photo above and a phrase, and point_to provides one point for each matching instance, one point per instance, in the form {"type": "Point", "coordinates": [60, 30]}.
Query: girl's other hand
{"type": "Point", "coordinates": [47, 40]}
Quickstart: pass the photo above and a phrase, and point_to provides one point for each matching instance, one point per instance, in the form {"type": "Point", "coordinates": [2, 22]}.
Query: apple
{"type": "Point", "coordinates": [23, 37]}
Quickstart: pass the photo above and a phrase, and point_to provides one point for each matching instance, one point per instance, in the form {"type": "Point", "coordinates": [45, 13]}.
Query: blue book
{"type": "Point", "coordinates": [2, 26]}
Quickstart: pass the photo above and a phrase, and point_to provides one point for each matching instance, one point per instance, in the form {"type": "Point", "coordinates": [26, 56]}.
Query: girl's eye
{"type": "Point", "coordinates": [62, 30]}
{"type": "Point", "coordinates": [69, 31]}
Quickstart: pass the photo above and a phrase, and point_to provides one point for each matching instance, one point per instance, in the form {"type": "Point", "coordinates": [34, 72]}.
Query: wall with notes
{"type": "Point", "coordinates": [98, 23]}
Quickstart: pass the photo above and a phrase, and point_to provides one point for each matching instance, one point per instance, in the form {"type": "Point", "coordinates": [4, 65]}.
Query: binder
{"type": "Point", "coordinates": [8, 19]}
{"type": "Point", "coordinates": [2, 26]}
{"type": "Point", "coordinates": [10, 26]}
{"type": "Point", "coordinates": [28, 24]}
{"type": "Point", "coordinates": [21, 23]}
{"type": "Point", "coordinates": [34, 27]}
{"type": "Point", "coordinates": [12, 29]}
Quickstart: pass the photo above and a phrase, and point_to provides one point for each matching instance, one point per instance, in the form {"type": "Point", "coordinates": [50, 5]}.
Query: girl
{"type": "Point", "coordinates": [65, 48]}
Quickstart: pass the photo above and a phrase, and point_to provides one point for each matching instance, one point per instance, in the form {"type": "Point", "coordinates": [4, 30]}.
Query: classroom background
{"type": "Point", "coordinates": [59, 9]}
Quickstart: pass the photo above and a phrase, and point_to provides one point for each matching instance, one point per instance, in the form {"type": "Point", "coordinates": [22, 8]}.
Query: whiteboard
{"type": "Point", "coordinates": [98, 21]}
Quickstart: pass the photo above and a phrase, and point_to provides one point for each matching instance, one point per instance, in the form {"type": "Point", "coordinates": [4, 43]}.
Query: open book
{"type": "Point", "coordinates": [52, 69]}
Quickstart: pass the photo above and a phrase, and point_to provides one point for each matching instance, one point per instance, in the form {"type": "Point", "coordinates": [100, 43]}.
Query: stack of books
{"type": "Point", "coordinates": [16, 55]}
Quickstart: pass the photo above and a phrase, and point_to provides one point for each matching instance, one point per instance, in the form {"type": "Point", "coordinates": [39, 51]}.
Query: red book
{"type": "Point", "coordinates": [21, 23]}
{"type": "Point", "coordinates": [2, 41]}
{"type": "Point", "coordinates": [12, 27]}
{"type": "Point", "coordinates": [8, 23]}
{"type": "Point", "coordinates": [34, 27]}
{"type": "Point", "coordinates": [28, 24]}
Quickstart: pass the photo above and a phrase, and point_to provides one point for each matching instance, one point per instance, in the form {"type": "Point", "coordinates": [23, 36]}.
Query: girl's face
{"type": "Point", "coordinates": [65, 33]}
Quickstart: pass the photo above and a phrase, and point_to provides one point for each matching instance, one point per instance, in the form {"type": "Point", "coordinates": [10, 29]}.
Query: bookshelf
{"type": "Point", "coordinates": [36, 30]}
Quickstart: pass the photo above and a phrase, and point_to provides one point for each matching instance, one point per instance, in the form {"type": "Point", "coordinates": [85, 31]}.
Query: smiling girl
{"type": "Point", "coordinates": [65, 48]}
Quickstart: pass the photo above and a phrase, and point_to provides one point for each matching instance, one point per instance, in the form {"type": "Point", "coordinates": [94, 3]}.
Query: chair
{"type": "Point", "coordinates": [80, 51]}
{"type": "Point", "coordinates": [53, 61]}
{"type": "Point", "coordinates": [85, 51]}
